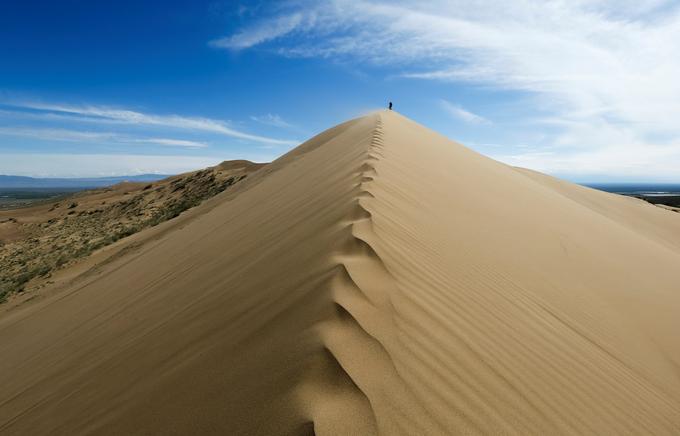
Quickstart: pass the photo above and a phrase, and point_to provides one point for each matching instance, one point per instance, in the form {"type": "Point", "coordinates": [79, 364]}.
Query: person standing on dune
{"type": "Point", "coordinates": [390, 106]}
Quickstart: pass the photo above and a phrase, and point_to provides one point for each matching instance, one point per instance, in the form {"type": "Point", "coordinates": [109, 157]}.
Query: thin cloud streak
{"type": "Point", "coordinates": [461, 114]}
{"type": "Point", "coordinates": [273, 120]}
{"type": "Point", "coordinates": [173, 142]}
{"type": "Point", "coordinates": [56, 134]}
{"type": "Point", "coordinates": [259, 34]}
{"type": "Point", "coordinates": [129, 117]}
{"type": "Point", "coordinates": [93, 137]}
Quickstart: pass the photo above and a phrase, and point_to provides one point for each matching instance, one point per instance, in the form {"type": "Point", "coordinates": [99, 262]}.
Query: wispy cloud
{"type": "Point", "coordinates": [173, 142]}
{"type": "Point", "coordinates": [92, 137]}
{"type": "Point", "coordinates": [272, 120]}
{"type": "Point", "coordinates": [613, 163]}
{"type": "Point", "coordinates": [608, 69]}
{"type": "Point", "coordinates": [457, 112]}
{"type": "Point", "coordinates": [56, 134]}
{"type": "Point", "coordinates": [260, 33]}
{"type": "Point", "coordinates": [129, 117]}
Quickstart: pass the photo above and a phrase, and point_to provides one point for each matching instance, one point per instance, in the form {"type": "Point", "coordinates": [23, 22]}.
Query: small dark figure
{"type": "Point", "coordinates": [390, 107]}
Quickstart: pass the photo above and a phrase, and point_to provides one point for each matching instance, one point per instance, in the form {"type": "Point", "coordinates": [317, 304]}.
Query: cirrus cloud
{"type": "Point", "coordinates": [605, 69]}
{"type": "Point", "coordinates": [457, 112]}
{"type": "Point", "coordinates": [99, 114]}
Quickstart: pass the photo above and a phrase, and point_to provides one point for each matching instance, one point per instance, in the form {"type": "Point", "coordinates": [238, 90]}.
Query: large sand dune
{"type": "Point", "coordinates": [378, 279]}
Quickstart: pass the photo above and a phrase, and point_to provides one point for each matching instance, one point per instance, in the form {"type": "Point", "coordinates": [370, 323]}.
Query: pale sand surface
{"type": "Point", "coordinates": [378, 279]}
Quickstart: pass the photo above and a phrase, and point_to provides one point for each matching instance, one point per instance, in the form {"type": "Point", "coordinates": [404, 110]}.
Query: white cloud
{"type": "Point", "coordinates": [607, 69]}
{"type": "Point", "coordinates": [272, 29]}
{"type": "Point", "coordinates": [173, 142]}
{"type": "Point", "coordinates": [271, 120]}
{"type": "Point", "coordinates": [93, 137]}
{"type": "Point", "coordinates": [461, 114]}
{"type": "Point", "coordinates": [614, 163]}
{"type": "Point", "coordinates": [56, 134]}
{"type": "Point", "coordinates": [99, 165]}
{"type": "Point", "coordinates": [129, 117]}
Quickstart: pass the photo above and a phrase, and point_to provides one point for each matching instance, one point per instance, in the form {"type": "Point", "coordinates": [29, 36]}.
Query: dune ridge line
{"type": "Point", "coordinates": [377, 279]}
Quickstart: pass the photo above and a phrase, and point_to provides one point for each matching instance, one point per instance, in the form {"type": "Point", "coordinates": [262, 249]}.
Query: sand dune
{"type": "Point", "coordinates": [378, 279]}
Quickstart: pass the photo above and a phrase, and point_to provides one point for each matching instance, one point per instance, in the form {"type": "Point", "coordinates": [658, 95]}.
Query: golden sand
{"type": "Point", "coordinates": [378, 279]}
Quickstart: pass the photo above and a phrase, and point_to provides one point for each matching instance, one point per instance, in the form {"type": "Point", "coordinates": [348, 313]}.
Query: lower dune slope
{"type": "Point", "coordinates": [378, 279]}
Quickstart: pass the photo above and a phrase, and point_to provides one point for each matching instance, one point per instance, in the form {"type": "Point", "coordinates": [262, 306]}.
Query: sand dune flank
{"type": "Point", "coordinates": [378, 279]}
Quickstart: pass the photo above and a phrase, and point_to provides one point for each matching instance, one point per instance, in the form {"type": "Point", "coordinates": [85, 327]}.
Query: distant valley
{"type": "Point", "coordinates": [21, 191]}
{"type": "Point", "coordinates": [7, 182]}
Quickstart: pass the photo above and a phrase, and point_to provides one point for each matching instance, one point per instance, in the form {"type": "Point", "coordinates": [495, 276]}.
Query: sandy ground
{"type": "Point", "coordinates": [379, 279]}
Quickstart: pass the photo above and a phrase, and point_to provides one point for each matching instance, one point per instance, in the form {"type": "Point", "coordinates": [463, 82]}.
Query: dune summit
{"type": "Point", "coordinates": [378, 279]}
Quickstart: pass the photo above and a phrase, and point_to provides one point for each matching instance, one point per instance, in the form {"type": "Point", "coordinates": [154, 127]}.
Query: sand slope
{"type": "Point", "coordinates": [378, 279]}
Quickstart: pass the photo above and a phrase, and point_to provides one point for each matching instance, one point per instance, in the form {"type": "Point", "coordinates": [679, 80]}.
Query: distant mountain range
{"type": "Point", "coordinates": [94, 182]}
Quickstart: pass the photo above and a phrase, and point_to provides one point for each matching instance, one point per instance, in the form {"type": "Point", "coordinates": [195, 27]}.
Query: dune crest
{"type": "Point", "coordinates": [378, 279]}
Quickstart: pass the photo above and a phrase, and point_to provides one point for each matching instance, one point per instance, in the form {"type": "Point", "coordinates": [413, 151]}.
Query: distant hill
{"type": "Point", "coordinates": [37, 239]}
{"type": "Point", "coordinates": [93, 182]}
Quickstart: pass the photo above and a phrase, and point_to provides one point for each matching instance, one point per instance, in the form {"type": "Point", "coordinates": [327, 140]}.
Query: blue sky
{"type": "Point", "coordinates": [585, 90]}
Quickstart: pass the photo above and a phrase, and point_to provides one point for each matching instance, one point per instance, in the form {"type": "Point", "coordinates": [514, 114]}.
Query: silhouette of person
{"type": "Point", "coordinates": [390, 107]}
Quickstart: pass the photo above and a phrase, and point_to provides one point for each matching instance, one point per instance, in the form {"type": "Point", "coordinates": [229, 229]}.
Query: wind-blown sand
{"type": "Point", "coordinates": [378, 279]}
